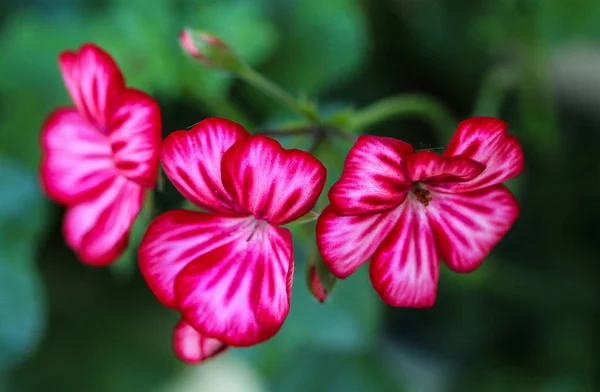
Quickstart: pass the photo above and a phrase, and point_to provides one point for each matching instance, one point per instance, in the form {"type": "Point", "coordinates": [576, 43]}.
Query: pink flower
{"type": "Point", "coordinates": [99, 157]}
{"type": "Point", "coordinates": [405, 210]}
{"type": "Point", "coordinates": [229, 271]}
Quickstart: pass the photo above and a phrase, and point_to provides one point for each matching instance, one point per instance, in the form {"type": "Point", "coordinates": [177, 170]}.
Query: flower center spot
{"type": "Point", "coordinates": [422, 195]}
{"type": "Point", "coordinates": [257, 227]}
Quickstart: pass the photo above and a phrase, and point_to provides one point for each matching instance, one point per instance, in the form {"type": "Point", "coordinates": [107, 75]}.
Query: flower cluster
{"type": "Point", "coordinates": [228, 268]}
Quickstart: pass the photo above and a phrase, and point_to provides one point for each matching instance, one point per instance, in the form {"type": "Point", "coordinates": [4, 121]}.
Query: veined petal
{"type": "Point", "coordinates": [135, 134]}
{"type": "Point", "coordinates": [192, 347]}
{"type": "Point", "coordinates": [240, 293]}
{"type": "Point", "coordinates": [468, 225]}
{"type": "Point", "coordinates": [486, 140]}
{"type": "Point", "coordinates": [97, 228]}
{"type": "Point", "coordinates": [405, 268]}
{"type": "Point", "coordinates": [93, 80]}
{"type": "Point", "coordinates": [76, 157]}
{"type": "Point", "coordinates": [270, 182]}
{"type": "Point", "coordinates": [192, 160]}
{"type": "Point", "coordinates": [373, 179]}
{"type": "Point", "coordinates": [175, 239]}
{"type": "Point", "coordinates": [434, 169]}
{"type": "Point", "coordinates": [347, 242]}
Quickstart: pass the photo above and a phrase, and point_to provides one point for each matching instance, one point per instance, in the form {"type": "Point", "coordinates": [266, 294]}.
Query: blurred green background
{"type": "Point", "coordinates": [527, 320]}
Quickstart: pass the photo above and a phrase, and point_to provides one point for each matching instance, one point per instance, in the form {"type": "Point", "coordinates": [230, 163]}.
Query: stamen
{"type": "Point", "coordinates": [422, 196]}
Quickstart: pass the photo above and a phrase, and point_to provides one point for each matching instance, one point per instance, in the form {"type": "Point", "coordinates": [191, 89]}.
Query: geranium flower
{"type": "Point", "coordinates": [229, 271]}
{"type": "Point", "coordinates": [99, 157]}
{"type": "Point", "coordinates": [405, 210]}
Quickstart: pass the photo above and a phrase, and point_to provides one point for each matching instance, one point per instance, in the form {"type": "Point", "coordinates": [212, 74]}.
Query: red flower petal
{"type": "Point", "coordinates": [76, 157]}
{"type": "Point", "coordinates": [97, 228]}
{"type": "Point", "coordinates": [434, 169]}
{"type": "Point", "coordinates": [240, 293]}
{"type": "Point", "coordinates": [347, 242]}
{"type": "Point", "coordinates": [486, 140]}
{"type": "Point", "coordinates": [192, 160]}
{"type": "Point", "coordinates": [373, 179]}
{"type": "Point", "coordinates": [135, 134]}
{"type": "Point", "coordinates": [405, 268]}
{"type": "Point", "coordinates": [175, 239]}
{"type": "Point", "coordinates": [468, 225]}
{"type": "Point", "coordinates": [94, 81]}
{"type": "Point", "coordinates": [192, 347]}
{"type": "Point", "coordinates": [270, 182]}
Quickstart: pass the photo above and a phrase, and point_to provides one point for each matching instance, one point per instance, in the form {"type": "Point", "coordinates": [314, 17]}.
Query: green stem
{"type": "Point", "coordinates": [402, 106]}
{"type": "Point", "coordinates": [276, 92]}
{"type": "Point", "coordinates": [494, 87]}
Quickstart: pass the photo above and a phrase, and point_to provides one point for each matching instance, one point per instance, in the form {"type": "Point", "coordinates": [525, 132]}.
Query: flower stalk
{"type": "Point", "coordinates": [268, 87]}
{"type": "Point", "coordinates": [405, 105]}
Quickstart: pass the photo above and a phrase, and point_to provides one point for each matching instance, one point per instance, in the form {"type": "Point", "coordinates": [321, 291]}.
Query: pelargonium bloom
{"type": "Point", "coordinates": [229, 270]}
{"type": "Point", "coordinates": [100, 156]}
{"type": "Point", "coordinates": [405, 210]}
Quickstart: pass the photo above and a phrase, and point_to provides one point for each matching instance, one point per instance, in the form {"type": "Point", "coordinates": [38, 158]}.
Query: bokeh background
{"type": "Point", "coordinates": [527, 320]}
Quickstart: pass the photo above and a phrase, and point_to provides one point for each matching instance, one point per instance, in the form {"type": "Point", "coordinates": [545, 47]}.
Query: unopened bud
{"type": "Point", "coordinates": [210, 50]}
{"type": "Point", "coordinates": [314, 283]}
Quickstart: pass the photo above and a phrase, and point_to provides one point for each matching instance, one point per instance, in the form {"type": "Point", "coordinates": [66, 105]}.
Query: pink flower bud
{"type": "Point", "coordinates": [314, 283]}
{"type": "Point", "coordinates": [209, 50]}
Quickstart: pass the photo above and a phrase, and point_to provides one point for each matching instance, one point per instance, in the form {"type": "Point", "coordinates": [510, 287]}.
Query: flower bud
{"type": "Point", "coordinates": [314, 283]}
{"type": "Point", "coordinates": [209, 50]}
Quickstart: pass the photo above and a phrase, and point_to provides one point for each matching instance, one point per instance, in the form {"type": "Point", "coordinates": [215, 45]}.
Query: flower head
{"type": "Point", "coordinates": [99, 156]}
{"type": "Point", "coordinates": [229, 271]}
{"type": "Point", "coordinates": [405, 210]}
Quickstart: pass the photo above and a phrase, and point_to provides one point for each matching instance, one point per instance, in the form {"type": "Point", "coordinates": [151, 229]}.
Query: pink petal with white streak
{"type": "Point", "coordinates": [486, 140]}
{"type": "Point", "coordinates": [270, 182]}
{"type": "Point", "coordinates": [373, 179]}
{"type": "Point", "coordinates": [192, 347]}
{"type": "Point", "coordinates": [240, 293]}
{"type": "Point", "coordinates": [76, 157]}
{"type": "Point", "coordinates": [175, 239]}
{"type": "Point", "coordinates": [431, 168]}
{"type": "Point", "coordinates": [347, 242]}
{"type": "Point", "coordinates": [468, 225]}
{"type": "Point", "coordinates": [135, 135]}
{"type": "Point", "coordinates": [192, 161]}
{"type": "Point", "coordinates": [98, 227]}
{"type": "Point", "coordinates": [405, 268]}
{"type": "Point", "coordinates": [94, 82]}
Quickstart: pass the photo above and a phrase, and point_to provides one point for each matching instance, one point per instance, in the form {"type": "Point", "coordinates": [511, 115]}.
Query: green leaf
{"type": "Point", "coordinates": [315, 53]}
{"type": "Point", "coordinates": [22, 220]}
{"type": "Point", "coordinates": [22, 309]}
{"type": "Point", "coordinates": [22, 206]}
